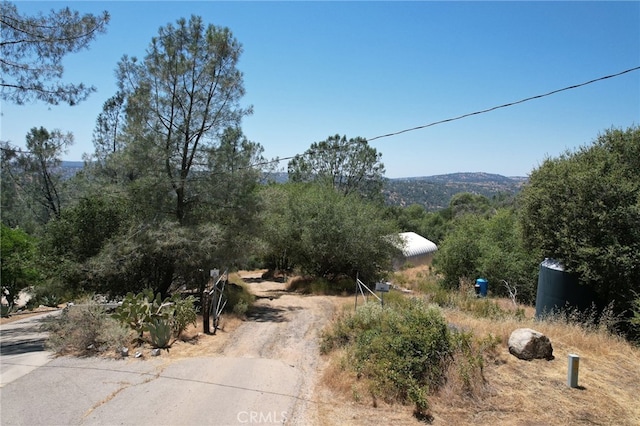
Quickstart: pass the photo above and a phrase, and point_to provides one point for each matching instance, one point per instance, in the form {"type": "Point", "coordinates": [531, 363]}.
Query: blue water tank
{"type": "Point", "coordinates": [483, 286]}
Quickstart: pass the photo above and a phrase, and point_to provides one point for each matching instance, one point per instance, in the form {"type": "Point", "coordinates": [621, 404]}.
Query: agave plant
{"type": "Point", "coordinates": [160, 332]}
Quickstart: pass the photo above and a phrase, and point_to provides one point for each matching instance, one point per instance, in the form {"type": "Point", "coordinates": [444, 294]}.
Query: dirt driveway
{"type": "Point", "coordinates": [265, 370]}
{"type": "Point", "coordinates": [285, 327]}
{"type": "Point", "coordinates": [260, 371]}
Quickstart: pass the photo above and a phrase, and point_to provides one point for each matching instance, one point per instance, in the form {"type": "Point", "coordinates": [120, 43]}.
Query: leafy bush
{"type": "Point", "coordinates": [326, 234]}
{"type": "Point", "coordinates": [17, 252]}
{"type": "Point", "coordinates": [489, 247]}
{"type": "Point", "coordinates": [85, 328]}
{"type": "Point", "coordinates": [321, 286]}
{"type": "Point", "coordinates": [582, 208]}
{"type": "Point", "coordinates": [402, 350]}
{"type": "Point", "coordinates": [239, 299]}
{"type": "Point", "coordinates": [241, 308]}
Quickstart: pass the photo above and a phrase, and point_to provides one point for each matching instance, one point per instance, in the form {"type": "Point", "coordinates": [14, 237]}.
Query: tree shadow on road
{"type": "Point", "coordinates": [22, 347]}
{"type": "Point", "coordinates": [266, 313]}
{"type": "Point", "coordinates": [18, 339]}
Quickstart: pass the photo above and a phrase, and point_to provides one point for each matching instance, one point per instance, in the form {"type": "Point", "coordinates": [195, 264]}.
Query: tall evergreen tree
{"type": "Point", "coordinates": [35, 175]}
{"type": "Point", "coordinates": [32, 49]}
{"type": "Point", "coordinates": [181, 97]}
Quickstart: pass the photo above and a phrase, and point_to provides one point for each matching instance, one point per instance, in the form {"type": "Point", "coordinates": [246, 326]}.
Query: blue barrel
{"type": "Point", "coordinates": [484, 286]}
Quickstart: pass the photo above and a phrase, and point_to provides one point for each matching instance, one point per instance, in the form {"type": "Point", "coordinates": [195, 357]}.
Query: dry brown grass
{"type": "Point", "coordinates": [536, 392]}
{"type": "Point", "coordinates": [516, 392]}
{"type": "Point", "coordinates": [194, 343]}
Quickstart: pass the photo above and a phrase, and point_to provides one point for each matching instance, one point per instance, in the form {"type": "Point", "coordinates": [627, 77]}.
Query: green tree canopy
{"type": "Point", "coordinates": [468, 203]}
{"type": "Point", "coordinates": [169, 146]}
{"type": "Point", "coordinates": [162, 256]}
{"type": "Point", "coordinates": [414, 218]}
{"type": "Point", "coordinates": [181, 97]}
{"type": "Point", "coordinates": [17, 258]}
{"type": "Point", "coordinates": [34, 176]}
{"type": "Point", "coordinates": [490, 248]}
{"type": "Point", "coordinates": [583, 208]}
{"type": "Point", "coordinates": [326, 234]}
{"type": "Point", "coordinates": [32, 49]}
{"type": "Point", "coordinates": [348, 165]}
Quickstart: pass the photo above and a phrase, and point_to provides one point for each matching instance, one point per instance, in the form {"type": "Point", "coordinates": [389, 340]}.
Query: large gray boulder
{"type": "Point", "coordinates": [529, 344]}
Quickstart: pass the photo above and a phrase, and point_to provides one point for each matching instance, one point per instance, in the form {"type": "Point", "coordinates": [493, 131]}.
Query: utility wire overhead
{"type": "Point", "coordinates": [504, 105]}
{"type": "Point", "coordinates": [447, 120]}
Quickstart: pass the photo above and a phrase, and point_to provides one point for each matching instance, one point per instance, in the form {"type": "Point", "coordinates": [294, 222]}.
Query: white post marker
{"type": "Point", "coordinates": [572, 375]}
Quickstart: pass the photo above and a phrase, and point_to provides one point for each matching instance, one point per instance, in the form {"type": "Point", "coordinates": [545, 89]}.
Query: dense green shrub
{"type": "Point", "coordinates": [321, 286]}
{"type": "Point", "coordinates": [583, 209]}
{"type": "Point", "coordinates": [492, 248]}
{"type": "Point", "coordinates": [325, 233]}
{"type": "Point", "coordinates": [17, 253]}
{"type": "Point", "coordinates": [403, 349]}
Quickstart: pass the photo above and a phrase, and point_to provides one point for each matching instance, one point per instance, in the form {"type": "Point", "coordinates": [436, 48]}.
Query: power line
{"type": "Point", "coordinates": [484, 111]}
{"type": "Point", "coordinates": [447, 120]}
{"type": "Point", "coordinates": [7, 148]}
{"type": "Point", "coordinates": [553, 92]}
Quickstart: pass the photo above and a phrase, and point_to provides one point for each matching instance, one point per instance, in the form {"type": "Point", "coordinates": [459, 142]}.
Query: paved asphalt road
{"type": "Point", "coordinates": [94, 391]}
{"type": "Point", "coordinates": [22, 347]}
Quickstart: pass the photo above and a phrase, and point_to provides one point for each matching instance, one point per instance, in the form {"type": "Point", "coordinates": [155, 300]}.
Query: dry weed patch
{"type": "Point", "coordinates": [536, 392]}
{"type": "Point", "coordinates": [508, 391]}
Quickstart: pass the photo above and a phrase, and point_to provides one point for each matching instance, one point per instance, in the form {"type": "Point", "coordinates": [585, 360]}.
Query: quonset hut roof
{"type": "Point", "coordinates": [416, 245]}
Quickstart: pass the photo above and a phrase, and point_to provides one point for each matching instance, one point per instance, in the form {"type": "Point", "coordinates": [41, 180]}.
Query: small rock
{"type": "Point", "coordinates": [155, 352]}
{"type": "Point", "coordinates": [138, 354]}
{"type": "Point", "coordinates": [124, 352]}
{"type": "Point", "coordinates": [528, 344]}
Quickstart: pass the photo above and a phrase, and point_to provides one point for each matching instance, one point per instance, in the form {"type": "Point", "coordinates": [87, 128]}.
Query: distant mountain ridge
{"type": "Point", "coordinates": [435, 192]}
{"type": "Point", "coordinates": [71, 168]}
{"type": "Point", "coordinates": [473, 177]}
{"type": "Point", "coordinates": [432, 192]}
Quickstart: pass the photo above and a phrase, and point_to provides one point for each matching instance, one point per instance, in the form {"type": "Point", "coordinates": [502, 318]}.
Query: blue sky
{"type": "Point", "coordinates": [314, 69]}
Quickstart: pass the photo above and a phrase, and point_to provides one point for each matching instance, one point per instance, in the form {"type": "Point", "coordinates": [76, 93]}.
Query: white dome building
{"type": "Point", "coordinates": [417, 250]}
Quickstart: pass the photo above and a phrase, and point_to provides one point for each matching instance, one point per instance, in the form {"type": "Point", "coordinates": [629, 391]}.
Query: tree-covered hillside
{"type": "Point", "coordinates": [435, 192]}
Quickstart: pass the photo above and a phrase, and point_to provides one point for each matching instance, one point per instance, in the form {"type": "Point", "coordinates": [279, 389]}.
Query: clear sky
{"type": "Point", "coordinates": [315, 69]}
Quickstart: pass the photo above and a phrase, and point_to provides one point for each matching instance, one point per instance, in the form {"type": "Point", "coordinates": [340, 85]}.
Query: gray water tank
{"type": "Point", "coordinates": [559, 290]}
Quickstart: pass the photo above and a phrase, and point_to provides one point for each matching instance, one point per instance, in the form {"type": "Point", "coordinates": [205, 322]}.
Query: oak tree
{"type": "Point", "coordinates": [583, 209]}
